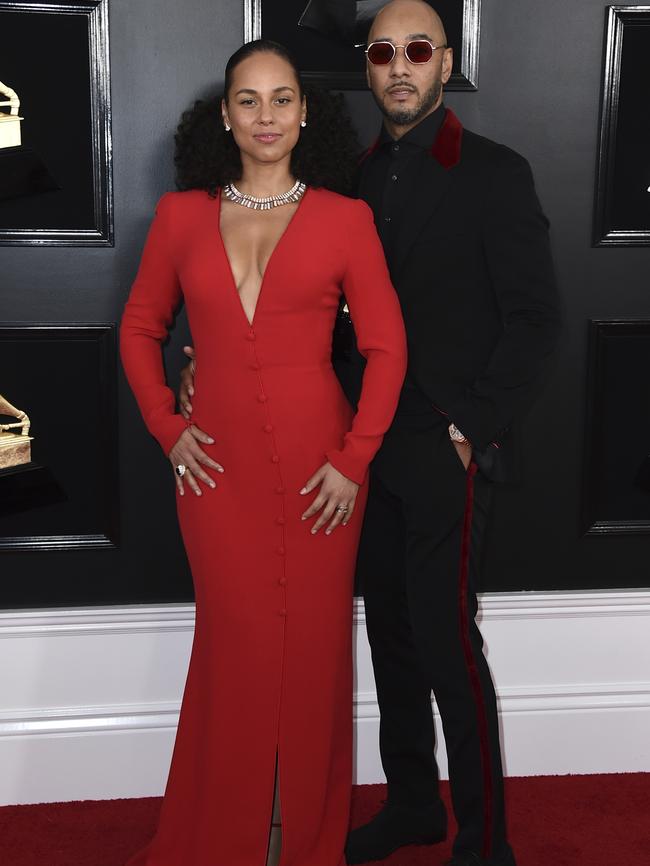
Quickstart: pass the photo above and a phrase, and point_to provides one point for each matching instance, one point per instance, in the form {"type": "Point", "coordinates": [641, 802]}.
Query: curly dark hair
{"type": "Point", "coordinates": [326, 154]}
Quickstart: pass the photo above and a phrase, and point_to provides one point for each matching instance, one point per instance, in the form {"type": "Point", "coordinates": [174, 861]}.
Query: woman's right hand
{"type": "Point", "coordinates": [187, 383]}
{"type": "Point", "coordinates": [188, 453]}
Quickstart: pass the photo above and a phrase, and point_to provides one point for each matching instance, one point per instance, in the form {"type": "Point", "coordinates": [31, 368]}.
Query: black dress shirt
{"type": "Point", "coordinates": [393, 171]}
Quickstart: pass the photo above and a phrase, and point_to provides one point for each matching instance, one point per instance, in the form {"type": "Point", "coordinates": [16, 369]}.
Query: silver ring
{"type": "Point", "coordinates": [181, 470]}
{"type": "Point", "coordinates": [342, 508]}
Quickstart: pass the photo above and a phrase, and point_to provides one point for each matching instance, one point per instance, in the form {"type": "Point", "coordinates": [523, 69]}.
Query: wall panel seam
{"type": "Point", "coordinates": [137, 619]}
{"type": "Point", "coordinates": [152, 715]}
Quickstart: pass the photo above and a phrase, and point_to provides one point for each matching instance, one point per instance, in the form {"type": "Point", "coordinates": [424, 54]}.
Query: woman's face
{"type": "Point", "coordinates": [264, 108]}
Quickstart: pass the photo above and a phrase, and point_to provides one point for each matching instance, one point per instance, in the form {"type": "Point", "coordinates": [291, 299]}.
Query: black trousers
{"type": "Point", "coordinates": [418, 562]}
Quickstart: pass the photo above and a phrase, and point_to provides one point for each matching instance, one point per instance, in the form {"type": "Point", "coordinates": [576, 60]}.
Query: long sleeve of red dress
{"type": "Point", "coordinates": [154, 299]}
{"type": "Point", "coordinates": [377, 319]}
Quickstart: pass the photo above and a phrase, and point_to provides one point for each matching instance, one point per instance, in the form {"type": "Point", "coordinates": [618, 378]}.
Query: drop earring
{"type": "Point", "coordinates": [226, 127]}
{"type": "Point", "coordinates": [303, 123]}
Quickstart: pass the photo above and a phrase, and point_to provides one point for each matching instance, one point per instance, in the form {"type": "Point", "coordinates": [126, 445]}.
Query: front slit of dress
{"type": "Point", "coordinates": [275, 835]}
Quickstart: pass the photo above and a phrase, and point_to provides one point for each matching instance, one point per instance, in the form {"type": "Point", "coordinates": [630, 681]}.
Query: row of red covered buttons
{"type": "Point", "coordinates": [268, 428]}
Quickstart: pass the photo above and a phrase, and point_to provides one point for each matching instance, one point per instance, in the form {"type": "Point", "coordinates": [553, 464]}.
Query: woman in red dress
{"type": "Point", "coordinates": [270, 509]}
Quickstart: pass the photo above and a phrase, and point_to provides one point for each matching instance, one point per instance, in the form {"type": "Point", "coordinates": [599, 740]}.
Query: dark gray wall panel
{"type": "Point", "coordinates": [163, 56]}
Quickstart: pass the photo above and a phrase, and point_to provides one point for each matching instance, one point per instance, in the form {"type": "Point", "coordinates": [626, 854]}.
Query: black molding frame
{"type": "Point", "coordinates": [102, 234]}
{"type": "Point", "coordinates": [598, 330]}
{"type": "Point", "coordinates": [617, 17]}
{"type": "Point", "coordinates": [104, 333]}
{"type": "Point", "coordinates": [466, 79]}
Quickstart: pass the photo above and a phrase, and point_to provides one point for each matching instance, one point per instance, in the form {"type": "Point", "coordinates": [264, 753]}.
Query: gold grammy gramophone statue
{"type": "Point", "coordinates": [15, 448]}
{"type": "Point", "coordinates": [9, 122]}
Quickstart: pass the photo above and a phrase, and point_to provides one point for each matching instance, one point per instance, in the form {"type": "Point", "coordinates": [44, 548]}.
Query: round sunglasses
{"type": "Point", "coordinates": [416, 51]}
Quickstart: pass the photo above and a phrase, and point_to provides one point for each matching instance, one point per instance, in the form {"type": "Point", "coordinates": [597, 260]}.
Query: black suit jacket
{"type": "Point", "coordinates": [473, 270]}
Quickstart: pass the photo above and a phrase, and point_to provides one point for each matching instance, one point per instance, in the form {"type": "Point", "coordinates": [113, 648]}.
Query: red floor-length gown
{"type": "Point", "coordinates": [271, 666]}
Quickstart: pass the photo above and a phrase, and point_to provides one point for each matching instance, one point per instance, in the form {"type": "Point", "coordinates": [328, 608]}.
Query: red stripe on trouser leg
{"type": "Point", "coordinates": [471, 663]}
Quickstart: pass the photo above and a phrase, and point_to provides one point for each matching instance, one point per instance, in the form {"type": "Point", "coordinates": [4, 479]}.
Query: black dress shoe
{"type": "Point", "coordinates": [394, 827]}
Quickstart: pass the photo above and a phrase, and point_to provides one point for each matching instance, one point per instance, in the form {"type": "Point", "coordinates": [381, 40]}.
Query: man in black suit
{"type": "Point", "coordinates": [468, 250]}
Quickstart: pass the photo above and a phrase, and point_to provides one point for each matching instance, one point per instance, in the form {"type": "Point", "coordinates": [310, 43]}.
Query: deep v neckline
{"type": "Point", "coordinates": [251, 322]}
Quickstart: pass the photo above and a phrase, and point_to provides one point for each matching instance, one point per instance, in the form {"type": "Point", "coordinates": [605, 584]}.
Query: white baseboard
{"type": "Point", "coordinates": [89, 698]}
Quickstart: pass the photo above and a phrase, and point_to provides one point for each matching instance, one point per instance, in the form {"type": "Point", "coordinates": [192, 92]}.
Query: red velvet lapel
{"type": "Point", "coordinates": [446, 147]}
{"type": "Point", "coordinates": [373, 147]}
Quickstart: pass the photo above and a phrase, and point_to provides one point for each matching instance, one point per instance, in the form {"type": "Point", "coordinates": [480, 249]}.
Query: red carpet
{"type": "Point", "coordinates": [554, 821]}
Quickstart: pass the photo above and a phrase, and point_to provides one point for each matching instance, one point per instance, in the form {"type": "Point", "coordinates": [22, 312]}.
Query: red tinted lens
{"type": "Point", "coordinates": [380, 53]}
{"type": "Point", "coordinates": [419, 51]}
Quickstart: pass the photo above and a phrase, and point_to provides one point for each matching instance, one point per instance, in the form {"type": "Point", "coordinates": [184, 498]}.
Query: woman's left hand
{"type": "Point", "coordinates": [335, 499]}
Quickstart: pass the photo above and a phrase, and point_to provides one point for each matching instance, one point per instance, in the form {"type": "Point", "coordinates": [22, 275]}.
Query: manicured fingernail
{"type": "Point", "coordinates": [328, 532]}
{"type": "Point", "coordinates": [212, 485]}
{"type": "Point", "coordinates": [314, 531]}
{"type": "Point", "coordinates": [304, 490]}
{"type": "Point", "coordinates": [190, 391]}
{"type": "Point", "coordinates": [220, 469]}
{"type": "Point", "coordinates": [303, 517]}
{"type": "Point", "coordinates": [182, 493]}
{"type": "Point", "coordinates": [210, 440]}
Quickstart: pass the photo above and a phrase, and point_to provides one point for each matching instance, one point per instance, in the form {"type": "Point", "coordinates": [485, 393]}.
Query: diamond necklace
{"type": "Point", "coordinates": [267, 202]}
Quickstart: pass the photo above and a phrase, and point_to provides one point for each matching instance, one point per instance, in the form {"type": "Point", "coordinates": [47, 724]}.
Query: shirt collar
{"type": "Point", "coordinates": [423, 133]}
